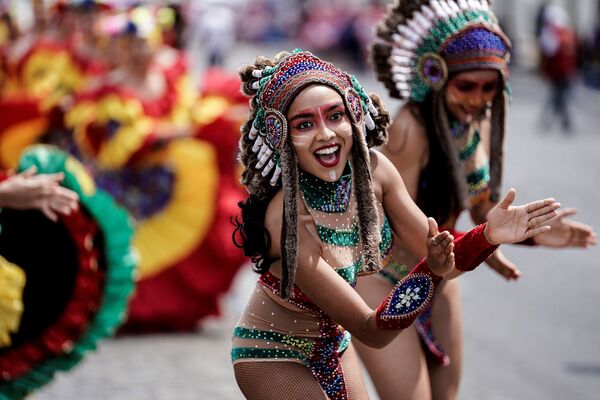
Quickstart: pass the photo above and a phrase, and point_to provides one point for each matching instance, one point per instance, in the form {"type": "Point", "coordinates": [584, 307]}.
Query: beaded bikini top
{"type": "Point", "coordinates": [332, 205]}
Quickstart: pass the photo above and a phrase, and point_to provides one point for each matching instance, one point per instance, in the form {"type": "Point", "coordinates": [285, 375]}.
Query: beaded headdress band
{"type": "Point", "coordinates": [441, 37]}
{"type": "Point", "coordinates": [277, 87]}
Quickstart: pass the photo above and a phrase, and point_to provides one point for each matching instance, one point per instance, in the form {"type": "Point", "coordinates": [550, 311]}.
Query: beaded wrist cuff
{"type": "Point", "coordinates": [472, 248]}
{"type": "Point", "coordinates": [410, 297]}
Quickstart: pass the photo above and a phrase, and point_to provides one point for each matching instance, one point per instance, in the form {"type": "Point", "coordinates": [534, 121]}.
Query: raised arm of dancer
{"type": "Point", "coordinates": [329, 291]}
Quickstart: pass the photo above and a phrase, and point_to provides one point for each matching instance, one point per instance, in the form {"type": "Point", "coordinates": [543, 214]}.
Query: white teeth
{"type": "Point", "coordinates": [328, 150]}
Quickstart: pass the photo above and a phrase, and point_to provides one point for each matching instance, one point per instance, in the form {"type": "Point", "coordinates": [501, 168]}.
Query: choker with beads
{"type": "Point", "coordinates": [327, 197]}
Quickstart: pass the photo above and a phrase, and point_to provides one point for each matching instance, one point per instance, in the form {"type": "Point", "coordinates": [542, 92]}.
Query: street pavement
{"type": "Point", "coordinates": [538, 338]}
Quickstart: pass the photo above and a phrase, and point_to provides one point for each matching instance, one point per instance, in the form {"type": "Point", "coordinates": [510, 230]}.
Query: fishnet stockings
{"type": "Point", "coordinates": [276, 380]}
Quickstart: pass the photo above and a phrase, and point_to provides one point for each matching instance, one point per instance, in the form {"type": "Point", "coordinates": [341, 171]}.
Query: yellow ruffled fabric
{"type": "Point", "coordinates": [12, 283]}
{"type": "Point", "coordinates": [133, 131]}
{"type": "Point", "coordinates": [49, 75]}
{"type": "Point", "coordinates": [172, 234]}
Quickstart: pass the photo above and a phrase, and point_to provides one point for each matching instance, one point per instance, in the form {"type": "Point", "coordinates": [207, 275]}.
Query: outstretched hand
{"type": "Point", "coordinates": [440, 249]}
{"type": "Point", "coordinates": [511, 224]}
{"type": "Point", "coordinates": [567, 233]}
{"type": "Point", "coordinates": [27, 190]}
{"type": "Point", "coordinates": [503, 266]}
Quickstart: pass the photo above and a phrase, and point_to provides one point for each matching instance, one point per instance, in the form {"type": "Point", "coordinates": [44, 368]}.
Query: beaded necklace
{"type": "Point", "coordinates": [467, 140]}
{"type": "Point", "coordinates": [328, 197]}
{"type": "Point", "coordinates": [333, 208]}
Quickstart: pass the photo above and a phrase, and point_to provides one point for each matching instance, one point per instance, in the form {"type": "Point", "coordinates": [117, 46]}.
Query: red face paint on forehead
{"type": "Point", "coordinates": [318, 110]}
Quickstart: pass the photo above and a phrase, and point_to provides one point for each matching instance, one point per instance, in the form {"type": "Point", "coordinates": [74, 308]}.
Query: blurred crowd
{"type": "Point", "coordinates": [109, 84]}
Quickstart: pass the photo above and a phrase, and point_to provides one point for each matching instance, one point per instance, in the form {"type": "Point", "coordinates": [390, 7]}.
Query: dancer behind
{"type": "Point", "coordinates": [321, 212]}
{"type": "Point", "coordinates": [447, 144]}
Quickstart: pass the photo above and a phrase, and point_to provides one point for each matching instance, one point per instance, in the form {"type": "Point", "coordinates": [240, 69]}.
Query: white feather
{"type": "Point", "coordinates": [416, 27]}
{"type": "Point", "coordinates": [428, 13]}
{"type": "Point", "coordinates": [257, 144]}
{"type": "Point", "coordinates": [447, 9]}
{"type": "Point", "coordinates": [262, 151]}
{"type": "Point", "coordinates": [372, 108]}
{"type": "Point", "coordinates": [253, 132]}
{"type": "Point", "coordinates": [402, 86]}
{"type": "Point", "coordinates": [463, 4]}
{"type": "Point", "coordinates": [268, 168]}
{"type": "Point", "coordinates": [402, 52]}
{"type": "Point", "coordinates": [275, 177]}
{"type": "Point", "coordinates": [369, 122]}
{"type": "Point", "coordinates": [439, 11]}
{"type": "Point", "coordinates": [420, 19]}
{"type": "Point", "coordinates": [400, 60]}
{"type": "Point", "coordinates": [409, 33]}
{"type": "Point", "coordinates": [454, 6]}
{"type": "Point", "coordinates": [401, 70]}
{"type": "Point", "coordinates": [400, 78]}
{"type": "Point", "coordinates": [266, 156]}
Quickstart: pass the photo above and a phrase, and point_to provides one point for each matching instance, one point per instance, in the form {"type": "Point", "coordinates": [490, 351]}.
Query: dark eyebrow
{"type": "Point", "coordinates": [309, 114]}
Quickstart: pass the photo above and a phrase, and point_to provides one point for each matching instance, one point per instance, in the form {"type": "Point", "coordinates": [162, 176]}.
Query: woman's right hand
{"type": "Point", "coordinates": [440, 249]}
{"type": "Point", "coordinates": [502, 265]}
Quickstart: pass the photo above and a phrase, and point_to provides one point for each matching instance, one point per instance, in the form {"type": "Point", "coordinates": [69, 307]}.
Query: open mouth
{"type": "Point", "coordinates": [328, 156]}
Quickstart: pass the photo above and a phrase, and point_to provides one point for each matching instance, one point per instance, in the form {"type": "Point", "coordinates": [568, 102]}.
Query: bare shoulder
{"type": "Point", "coordinates": [383, 172]}
{"type": "Point", "coordinates": [407, 129]}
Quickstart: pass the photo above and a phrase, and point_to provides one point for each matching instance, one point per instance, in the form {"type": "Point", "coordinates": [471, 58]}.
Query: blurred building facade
{"type": "Point", "coordinates": [518, 19]}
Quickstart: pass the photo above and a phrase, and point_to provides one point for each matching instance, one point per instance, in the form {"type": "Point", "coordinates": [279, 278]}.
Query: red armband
{"type": "Point", "coordinates": [411, 296]}
{"type": "Point", "coordinates": [472, 248]}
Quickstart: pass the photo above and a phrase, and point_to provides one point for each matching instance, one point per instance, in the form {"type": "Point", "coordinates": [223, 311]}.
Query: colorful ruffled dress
{"type": "Point", "coordinates": [176, 189]}
{"type": "Point", "coordinates": [39, 75]}
{"type": "Point", "coordinates": [65, 285]}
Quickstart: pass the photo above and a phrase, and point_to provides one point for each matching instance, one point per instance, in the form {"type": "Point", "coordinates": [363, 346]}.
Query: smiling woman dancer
{"type": "Point", "coordinates": [449, 60]}
{"type": "Point", "coordinates": [321, 211]}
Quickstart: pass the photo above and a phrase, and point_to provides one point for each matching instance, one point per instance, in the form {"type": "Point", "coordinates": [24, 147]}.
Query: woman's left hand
{"type": "Point", "coordinates": [512, 224]}
{"type": "Point", "coordinates": [440, 249]}
{"type": "Point", "coordinates": [567, 233]}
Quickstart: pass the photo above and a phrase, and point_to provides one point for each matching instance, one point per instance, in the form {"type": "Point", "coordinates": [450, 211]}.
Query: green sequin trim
{"type": "Point", "coordinates": [339, 237]}
{"type": "Point", "coordinates": [328, 197]}
{"type": "Point", "coordinates": [250, 352]}
{"type": "Point", "coordinates": [479, 175]}
{"type": "Point", "coordinates": [470, 147]}
{"type": "Point", "coordinates": [350, 272]}
{"type": "Point", "coordinates": [293, 341]}
{"type": "Point", "coordinates": [345, 342]}
{"type": "Point", "coordinates": [386, 237]}
{"type": "Point", "coordinates": [478, 179]}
